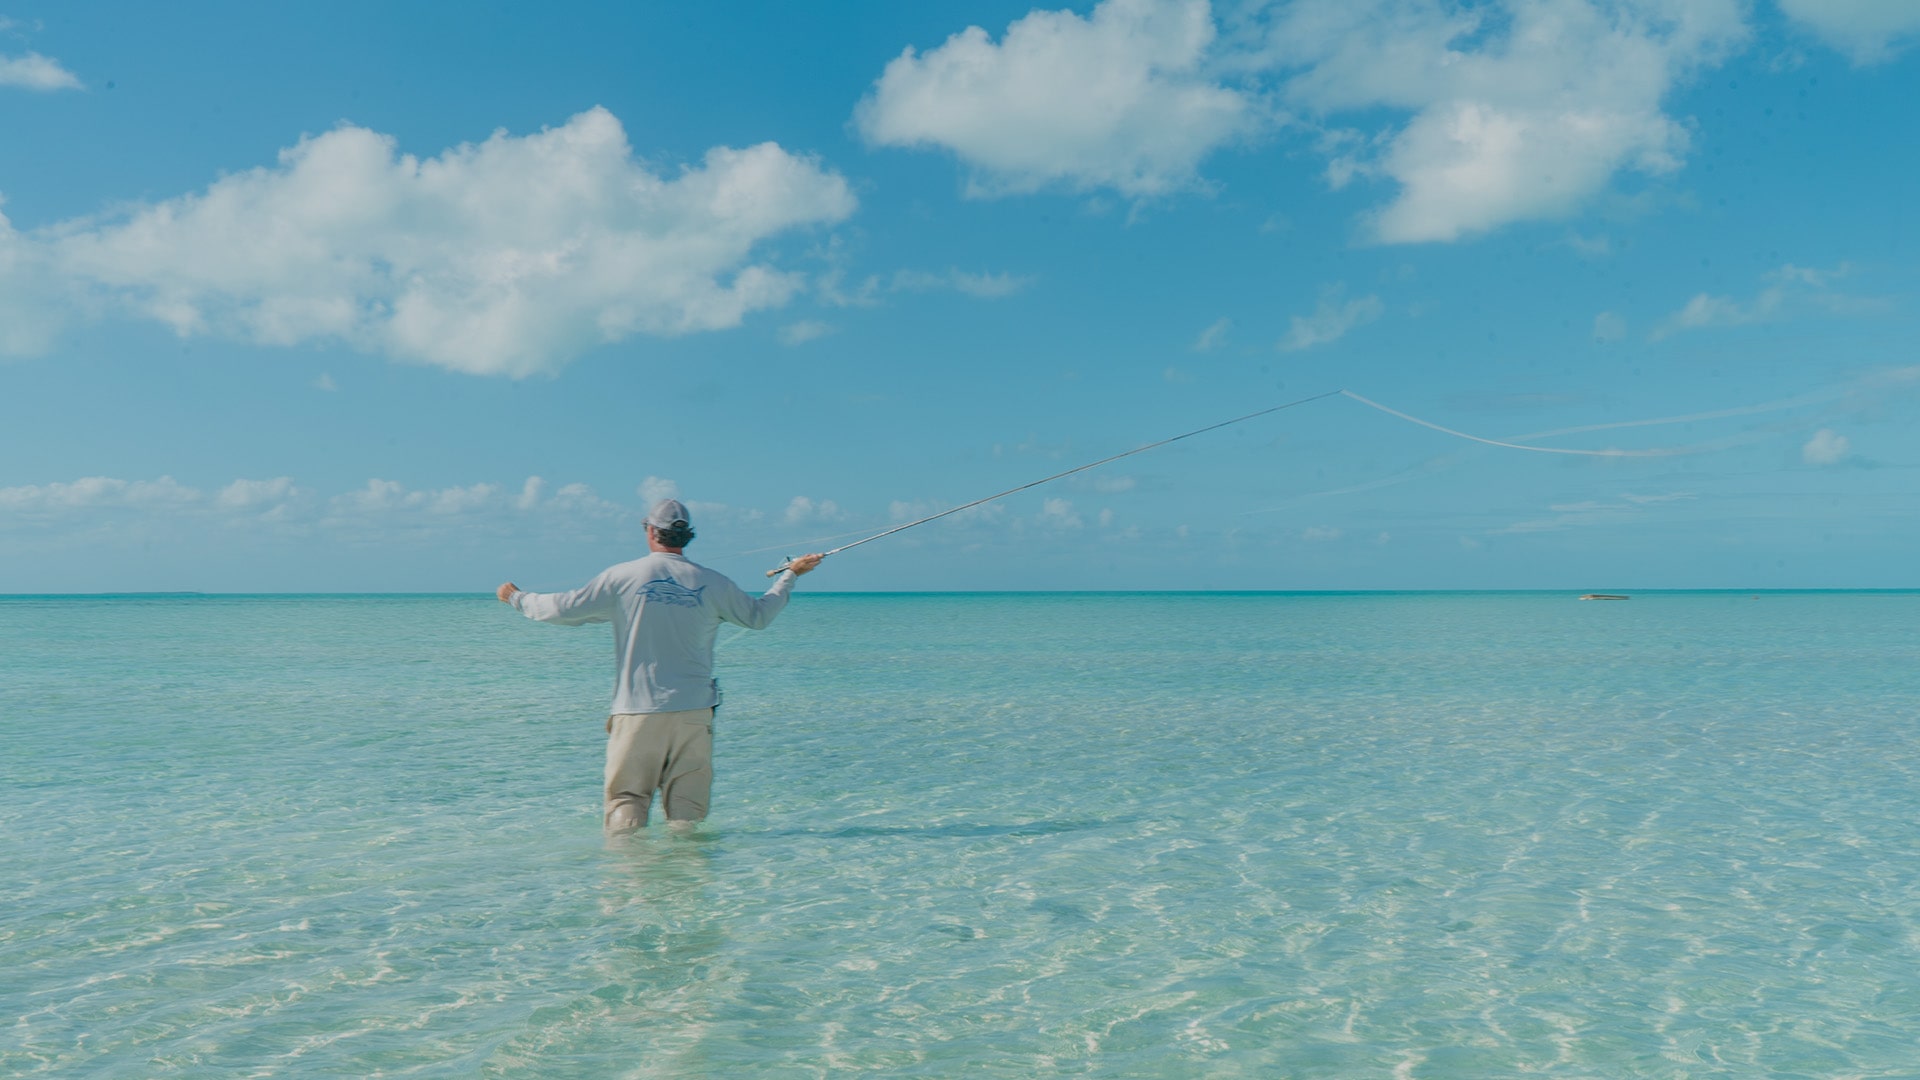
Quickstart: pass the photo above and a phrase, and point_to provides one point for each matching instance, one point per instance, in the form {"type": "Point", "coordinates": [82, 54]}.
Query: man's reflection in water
{"type": "Point", "coordinates": [644, 996]}
{"type": "Point", "coordinates": [665, 969]}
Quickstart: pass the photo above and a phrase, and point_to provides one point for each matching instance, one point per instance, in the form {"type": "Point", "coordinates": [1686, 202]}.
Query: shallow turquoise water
{"type": "Point", "coordinates": [1102, 835]}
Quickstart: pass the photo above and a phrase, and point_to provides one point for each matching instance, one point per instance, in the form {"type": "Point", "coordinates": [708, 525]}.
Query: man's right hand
{"type": "Point", "coordinates": [805, 563]}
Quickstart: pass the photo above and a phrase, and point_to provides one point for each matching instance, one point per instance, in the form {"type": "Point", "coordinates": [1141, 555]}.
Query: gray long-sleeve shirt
{"type": "Point", "coordinates": [665, 612]}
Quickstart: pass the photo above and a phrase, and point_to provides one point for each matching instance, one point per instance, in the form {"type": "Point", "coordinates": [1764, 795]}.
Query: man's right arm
{"type": "Point", "coordinates": [592, 602]}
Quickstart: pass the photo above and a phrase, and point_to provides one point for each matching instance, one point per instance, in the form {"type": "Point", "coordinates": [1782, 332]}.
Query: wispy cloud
{"type": "Point", "coordinates": [1593, 247]}
{"type": "Point", "coordinates": [805, 330]}
{"type": "Point", "coordinates": [1213, 336]}
{"type": "Point", "coordinates": [984, 286]}
{"type": "Point", "coordinates": [1789, 290]}
{"type": "Point", "coordinates": [1593, 512]}
{"type": "Point", "coordinates": [832, 289]}
{"type": "Point", "coordinates": [1331, 320]}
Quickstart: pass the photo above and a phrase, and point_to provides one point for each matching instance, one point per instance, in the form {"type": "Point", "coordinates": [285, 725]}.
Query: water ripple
{"type": "Point", "coordinates": [1457, 836]}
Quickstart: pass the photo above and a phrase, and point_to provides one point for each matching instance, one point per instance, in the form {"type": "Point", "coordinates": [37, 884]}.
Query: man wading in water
{"type": "Point", "coordinates": [665, 611]}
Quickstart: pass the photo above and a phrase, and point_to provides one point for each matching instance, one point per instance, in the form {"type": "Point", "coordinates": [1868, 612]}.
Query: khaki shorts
{"type": "Point", "coordinates": [668, 752]}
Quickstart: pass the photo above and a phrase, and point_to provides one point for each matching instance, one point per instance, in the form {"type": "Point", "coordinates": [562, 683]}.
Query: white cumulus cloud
{"type": "Point", "coordinates": [459, 500]}
{"type": "Point", "coordinates": [379, 495]}
{"type": "Point", "coordinates": [1478, 115]}
{"type": "Point", "coordinates": [802, 510]}
{"type": "Point", "coordinates": [97, 491]}
{"type": "Point", "coordinates": [32, 305]}
{"type": "Point", "coordinates": [390, 500]}
{"type": "Point", "coordinates": [1119, 98]}
{"type": "Point", "coordinates": [508, 257]}
{"type": "Point", "coordinates": [1869, 31]}
{"type": "Point", "coordinates": [249, 494]}
{"type": "Point", "coordinates": [379, 511]}
{"type": "Point", "coordinates": [1060, 514]}
{"type": "Point", "coordinates": [655, 488]}
{"type": "Point", "coordinates": [1520, 110]}
{"type": "Point", "coordinates": [1826, 448]}
{"type": "Point", "coordinates": [36, 72]}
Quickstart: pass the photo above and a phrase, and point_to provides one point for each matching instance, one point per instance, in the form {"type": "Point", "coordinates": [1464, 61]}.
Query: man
{"type": "Point", "coordinates": [665, 611]}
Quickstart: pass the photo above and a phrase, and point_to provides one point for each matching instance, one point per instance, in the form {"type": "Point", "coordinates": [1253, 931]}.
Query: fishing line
{"type": "Point", "coordinates": [1721, 414]}
{"type": "Point", "coordinates": [1056, 476]}
{"type": "Point", "coordinates": [1612, 452]}
{"type": "Point", "coordinates": [789, 545]}
{"type": "Point", "coordinates": [1417, 472]}
{"type": "Point", "coordinates": [1431, 467]}
{"type": "Point", "coordinates": [1657, 452]}
{"type": "Point", "coordinates": [1514, 441]}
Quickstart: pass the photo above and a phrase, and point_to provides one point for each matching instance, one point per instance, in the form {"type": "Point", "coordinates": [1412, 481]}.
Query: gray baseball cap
{"type": "Point", "coordinates": [667, 512]}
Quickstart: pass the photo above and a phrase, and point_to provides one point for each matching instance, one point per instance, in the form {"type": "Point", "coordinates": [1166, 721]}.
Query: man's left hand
{"type": "Point", "coordinates": [505, 592]}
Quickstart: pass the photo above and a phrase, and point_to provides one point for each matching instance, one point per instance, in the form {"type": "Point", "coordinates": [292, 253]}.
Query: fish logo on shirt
{"type": "Point", "coordinates": [669, 591]}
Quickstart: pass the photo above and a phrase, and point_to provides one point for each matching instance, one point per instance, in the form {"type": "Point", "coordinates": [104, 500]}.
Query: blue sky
{"type": "Point", "coordinates": [423, 297]}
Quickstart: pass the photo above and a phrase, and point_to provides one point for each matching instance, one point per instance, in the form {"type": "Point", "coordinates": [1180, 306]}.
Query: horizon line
{"type": "Point", "coordinates": [1329, 591]}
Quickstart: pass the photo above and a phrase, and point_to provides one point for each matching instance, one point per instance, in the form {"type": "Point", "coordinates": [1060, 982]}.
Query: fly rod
{"type": "Point", "coordinates": [1049, 479]}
